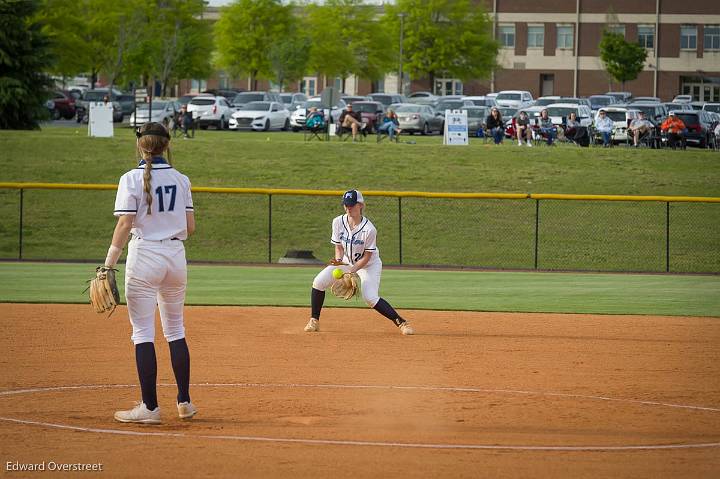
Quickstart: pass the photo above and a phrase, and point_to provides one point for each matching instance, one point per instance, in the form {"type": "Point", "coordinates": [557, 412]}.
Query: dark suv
{"type": "Point", "coordinates": [699, 127]}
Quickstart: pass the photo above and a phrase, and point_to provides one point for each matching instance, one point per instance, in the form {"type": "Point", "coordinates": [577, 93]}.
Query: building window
{"type": "Point", "coordinates": [308, 85]}
{"type": "Point", "coordinates": [712, 37]}
{"type": "Point", "coordinates": [565, 36]}
{"type": "Point", "coordinates": [536, 37]}
{"type": "Point", "coordinates": [688, 37]}
{"type": "Point", "coordinates": [619, 29]}
{"type": "Point", "coordinates": [646, 36]}
{"type": "Point", "coordinates": [506, 35]}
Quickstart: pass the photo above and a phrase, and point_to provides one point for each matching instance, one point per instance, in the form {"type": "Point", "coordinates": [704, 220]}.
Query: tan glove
{"type": "Point", "coordinates": [347, 286]}
{"type": "Point", "coordinates": [104, 294]}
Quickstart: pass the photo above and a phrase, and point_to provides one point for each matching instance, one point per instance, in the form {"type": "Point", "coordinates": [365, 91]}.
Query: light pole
{"type": "Point", "coordinates": [401, 87]}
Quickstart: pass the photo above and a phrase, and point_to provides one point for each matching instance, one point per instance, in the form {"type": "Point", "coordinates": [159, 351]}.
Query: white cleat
{"type": "Point", "coordinates": [186, 410]}
{"type": "Point", "coordinates": [139, 414]}
{"type": "Point", "coordinates": [406, 329]}
{"type": "Point", "coordinates": [312, 326]}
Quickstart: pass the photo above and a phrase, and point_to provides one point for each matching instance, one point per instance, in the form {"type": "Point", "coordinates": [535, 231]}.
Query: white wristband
{"type": "Point", "coordinates": [113, 255]}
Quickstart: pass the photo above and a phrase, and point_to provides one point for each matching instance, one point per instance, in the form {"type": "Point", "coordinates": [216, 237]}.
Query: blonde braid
{"type": "Point", "coordinates": [146, 183]}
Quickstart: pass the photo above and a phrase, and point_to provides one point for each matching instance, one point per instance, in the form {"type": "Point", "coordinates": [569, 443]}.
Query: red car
{"type": "Point", "coordinates": [371, 111]}
{"type": "Point", "coordinates": [61, 105]}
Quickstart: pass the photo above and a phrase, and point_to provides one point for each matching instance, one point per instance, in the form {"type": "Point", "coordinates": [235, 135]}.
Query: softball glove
{"type": "Point", "coordinates": [104, 294]}
{"type": "Point", "coordinates": [347, 286]}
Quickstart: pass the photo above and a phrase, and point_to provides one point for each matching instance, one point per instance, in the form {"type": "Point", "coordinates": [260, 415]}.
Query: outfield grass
{"type": "Point", "coordinates": [74, 225]}
{"type": "Point", "coordinates": [407, 289]}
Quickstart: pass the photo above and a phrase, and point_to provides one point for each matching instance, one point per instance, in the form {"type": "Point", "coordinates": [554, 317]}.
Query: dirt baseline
{"type": "Point", "coordinates": [470, 395]}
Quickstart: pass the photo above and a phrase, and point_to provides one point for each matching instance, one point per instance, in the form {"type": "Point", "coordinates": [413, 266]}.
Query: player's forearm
{"type": "Point", "coordinates": [119, 239]}
{"type": "Point", "coordinates": [190, 223]}
{"type": "Point", "coordinates": [339, 252]}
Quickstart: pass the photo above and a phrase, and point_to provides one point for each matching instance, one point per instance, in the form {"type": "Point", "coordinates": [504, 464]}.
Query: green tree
{"type": "Point", "coordinates": [449, 37]}
{"type": "Point", "coordinates": [347, 38]}
{"type": "Point", "coordinates": [623, 60]}
{"type": "Point", "coordinates": [243, 33]}
{"type": "Point", "coordinates": [24, 59]}
{"type": "Point", "coordinates": [289, 57]}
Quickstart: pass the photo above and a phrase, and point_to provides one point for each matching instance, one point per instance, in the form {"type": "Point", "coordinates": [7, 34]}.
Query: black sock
{"type": "Point", "coordinates": [180, 358]}
{"type": "Point", "coordinates": [384, 308]}
{"type": "Point", "coordinates": [317, 298]}
{"type": "Point", "coordinates": [147, 372]}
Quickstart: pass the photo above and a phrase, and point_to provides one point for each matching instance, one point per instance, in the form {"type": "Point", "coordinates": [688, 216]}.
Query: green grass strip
{"type": "Point", "coordinates": [406, 289]}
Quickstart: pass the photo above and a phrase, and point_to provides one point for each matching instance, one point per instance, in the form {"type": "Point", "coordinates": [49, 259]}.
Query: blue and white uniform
{"type": "Point", "coordinates": [356, 242]}
{"type": "Point", "coordinates": [156, 269]}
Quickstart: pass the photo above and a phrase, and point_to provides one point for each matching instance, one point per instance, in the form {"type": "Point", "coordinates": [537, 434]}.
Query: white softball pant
{"type": "Point", "coordinates": [155, 275]}
{"type": "Point", "coordinates": [369, 280]}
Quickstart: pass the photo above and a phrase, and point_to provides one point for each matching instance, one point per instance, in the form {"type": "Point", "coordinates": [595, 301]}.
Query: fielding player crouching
{"type": "Point", "coordinates": [354, 237]}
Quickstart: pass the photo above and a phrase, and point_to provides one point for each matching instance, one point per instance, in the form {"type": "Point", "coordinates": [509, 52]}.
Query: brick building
{"type": "Point", "coordinates": [551, 47]}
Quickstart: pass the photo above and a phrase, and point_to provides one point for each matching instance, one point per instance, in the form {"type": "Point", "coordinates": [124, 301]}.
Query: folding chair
{"type": "Point", "coordinates": [320, 133]}
{"type": "Point", "coordinates": [383, 134]}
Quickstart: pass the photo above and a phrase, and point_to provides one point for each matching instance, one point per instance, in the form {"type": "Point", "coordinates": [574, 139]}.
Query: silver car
{"type": "Point", "coordinates": [419, 118]}
{"type": "Point", "coordinates": [162, 112]}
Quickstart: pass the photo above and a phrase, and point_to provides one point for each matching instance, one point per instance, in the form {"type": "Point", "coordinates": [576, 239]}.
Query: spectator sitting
{"type": "Point", "coordinates": [351, 119]}
{"type": "Point", "coordinates": [604, 126]}
{"type": "Point", "coordinates": [675, 129]}
{"type": "Point", "coordinates": [390, 124]}
{"type": "Point", "coordinates": [571, 125]}
{"type": "Point", "coordinates": [315, 120]}
{"type": "Point", "coordinates": [638, 127]}
{"type": "Point", "coordinates": [522, 128]}
{"type": "Point", "coordinates": [185, 121]}
{"type": "Point", "coordinates": [547, 129]}
{"type": "Point", "coordinates": [495, 125]}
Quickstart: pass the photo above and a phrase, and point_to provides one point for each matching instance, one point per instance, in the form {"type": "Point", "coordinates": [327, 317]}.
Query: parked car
{"type": "Point", "coordinates": [350, 99]}
{"type": "Point", "coordinates": [481, 100]}
{"type": "Point", "coordinates": [210, 110]}
{"type": "Point", "coordinates": [127, 103]}
{"type": "Point", "coordinates": [673, 106]}
{"type": "Point", "coordinates": [654, 112]}
{"type": "Point", "coordinates": [697, 105]}
{"type": "Point", "coordinates": [621, 118]}
{"type": "Point", "coordinates": [61, 105]}
{"type": "Point", "coordinates": [420, 94]}
{"type": "Point", "coordinates": [476, 116]}
{"type": "Point", "coordinates": [682, 99]}
{"type": "Point", "coordinates": [451, 104]}
{"type": "Point", "coordinates": [515, 98]}
{"type": "Point", "coordinates": [162, 112]}
{"type": "Point", "coordinates": [98, 95]}
{"type": "Point", "coordinates": [248, 96]}
{"type": "Point", "coordinates": [621, 96]}
{"type": "Point", "coordinates": [293, 100]}
{"type": "Point", "coordinates": [646, 99]}
{"type": "Point", "coordinates": [261, 116]}
{"type": "Point", "coordinates": [547, 100]}
{"type": "Point", "coordinates": [712, 107]}
{"type": "Point", "coordinates": [185, 99]}
{"type": "Point", "coordinates": [699, 126]}
{"type": "Point", "coordinates": [600, 101]}
{"type": "Point", "coordinates": [559, 112]}
{"type": "Point", "coordinates": [507, 112]}
{"type": "Point", "coordinates": [414, 118]}
{"type": "Point", "coordinates": [371, 112]}
{"type": "Point", "coordinates": [297, 117]}
{"type": "Point", "coordinates": [386, 99]}
{"type": "Point", "coordinates": [227, 93]}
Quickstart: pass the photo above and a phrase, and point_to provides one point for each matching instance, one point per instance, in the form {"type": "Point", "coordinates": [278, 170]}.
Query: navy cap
{"type": "Point", "coordinates": [353, 197]}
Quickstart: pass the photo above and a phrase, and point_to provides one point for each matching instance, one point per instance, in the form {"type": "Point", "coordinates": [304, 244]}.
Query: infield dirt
{"type": "Point", "coordinates": [359, 399]}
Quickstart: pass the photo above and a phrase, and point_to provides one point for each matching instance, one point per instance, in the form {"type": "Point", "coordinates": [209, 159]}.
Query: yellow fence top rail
{"type": "Point", "coordinates": [397, 194]}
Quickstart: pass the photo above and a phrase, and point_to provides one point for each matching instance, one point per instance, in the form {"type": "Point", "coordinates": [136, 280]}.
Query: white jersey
{"type": "Point", "coordinates": [171, 200]}
{"type": "Point", "coordinates": [355, 241]}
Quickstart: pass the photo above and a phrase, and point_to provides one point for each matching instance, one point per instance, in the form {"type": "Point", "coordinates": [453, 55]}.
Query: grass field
{"type": "Point", "coordinates": [483, 233]}
{"type": "Point", "coordinates": [407, 289]}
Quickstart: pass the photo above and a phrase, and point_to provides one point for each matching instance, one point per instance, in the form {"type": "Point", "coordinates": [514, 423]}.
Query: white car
{"type": "Point", "coordinates": [162, 112]}
{"type": "Point", "coordinates": [210, 110]}
{"type": "Point", "coordinates": [297, 117]}
{"type": "Point", "coordinates": [682, 99]}
{"type": "Point", "coordinates": [559, 112]}
{"type": "Point", "coordinates": [514, 98]}
{"type": "Point", "coordinates": [261, 116]}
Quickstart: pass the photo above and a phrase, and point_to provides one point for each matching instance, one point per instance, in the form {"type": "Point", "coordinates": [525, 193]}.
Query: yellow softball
{"type": "Point", "coordinates": [337, 273]}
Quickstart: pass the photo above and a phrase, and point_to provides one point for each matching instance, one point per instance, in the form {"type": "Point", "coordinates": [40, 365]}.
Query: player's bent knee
{"type": "Point", "coordinates": [371, 302]}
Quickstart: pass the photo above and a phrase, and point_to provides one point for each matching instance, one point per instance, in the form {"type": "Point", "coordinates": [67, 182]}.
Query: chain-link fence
{"type": "Point", "coordinates": [414, 229]}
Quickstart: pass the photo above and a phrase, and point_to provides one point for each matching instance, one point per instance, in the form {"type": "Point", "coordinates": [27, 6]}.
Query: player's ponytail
{"type": "Point", "coordinates": [150, 145]}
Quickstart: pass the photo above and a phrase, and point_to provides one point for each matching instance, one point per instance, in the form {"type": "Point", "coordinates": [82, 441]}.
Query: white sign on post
{"type": "Point", "coordinates": [100, 122]}
{"type": "Point", "coordinates": [456, 127]}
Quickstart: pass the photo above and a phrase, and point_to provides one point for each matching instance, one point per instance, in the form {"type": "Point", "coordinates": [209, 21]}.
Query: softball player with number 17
{"type": "Point", "coordinates": [354, 237]}
{"type": "Point", "coordinates": [154, 204]}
